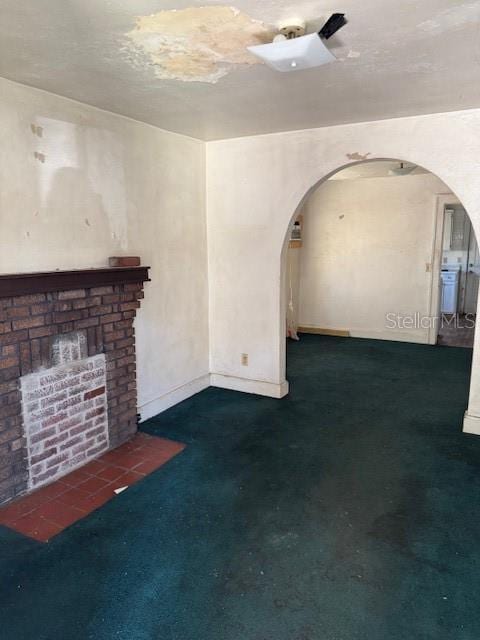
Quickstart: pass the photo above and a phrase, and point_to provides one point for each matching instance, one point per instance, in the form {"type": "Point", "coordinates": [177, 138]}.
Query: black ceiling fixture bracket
{"type": "Point", "coordinates": [332, 25]}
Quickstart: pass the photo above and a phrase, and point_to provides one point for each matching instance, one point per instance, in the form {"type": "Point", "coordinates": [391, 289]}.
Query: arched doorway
{"type": "Point", "coordinates": [405, 274]}
{"type": "Point", "coordinates": [268, 177]}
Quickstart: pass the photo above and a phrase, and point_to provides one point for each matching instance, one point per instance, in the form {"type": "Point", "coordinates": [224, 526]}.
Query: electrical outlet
{"type": "Point", "coordinates": [244, 359]}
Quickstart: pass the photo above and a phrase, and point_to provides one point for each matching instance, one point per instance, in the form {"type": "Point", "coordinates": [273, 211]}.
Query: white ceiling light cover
{"type": "Point", "coordinates": [295, 54]}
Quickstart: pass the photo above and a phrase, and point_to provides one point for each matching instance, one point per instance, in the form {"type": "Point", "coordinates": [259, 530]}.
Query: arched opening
{"type": "Point", "coordinates": [380, 249]}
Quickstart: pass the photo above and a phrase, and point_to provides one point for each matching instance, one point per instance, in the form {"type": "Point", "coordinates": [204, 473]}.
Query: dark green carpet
{"type": "Point", "coordinates": [347, 511]}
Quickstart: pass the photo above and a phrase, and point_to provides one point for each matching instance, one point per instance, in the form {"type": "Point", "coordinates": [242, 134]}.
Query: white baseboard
{"type": "Point", "coordinates": [471, 424]}
{"type": "Point", "coordinates": [246, 385]}
{"type": "Point", "coordinates": [167, 400]}
{"type": "Point", "coordinates": [154, 407]}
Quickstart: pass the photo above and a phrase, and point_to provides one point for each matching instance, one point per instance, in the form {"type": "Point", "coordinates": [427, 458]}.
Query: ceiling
{"type": "Point", "coordinates": [394, 59]}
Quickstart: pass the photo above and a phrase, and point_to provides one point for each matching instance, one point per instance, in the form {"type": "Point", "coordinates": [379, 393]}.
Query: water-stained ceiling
{"type": "Point", "coordinates": [183, 66]}
{"type": "Point", "coordinates": [198, 44]}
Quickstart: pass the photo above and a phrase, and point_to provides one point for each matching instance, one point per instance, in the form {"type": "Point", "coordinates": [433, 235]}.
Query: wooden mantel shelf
{"type": "Point", "coordinates": [19, 284]}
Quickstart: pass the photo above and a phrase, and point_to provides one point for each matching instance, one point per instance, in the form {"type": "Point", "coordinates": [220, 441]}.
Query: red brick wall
{"type": "Point", "coordinates": [65, 411]}
{"type": "Point", "coordinates": [27, 326]}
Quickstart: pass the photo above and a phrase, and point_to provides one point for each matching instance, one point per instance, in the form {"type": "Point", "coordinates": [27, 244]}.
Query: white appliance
{"type": "Point", "coordinates": [450, 280]}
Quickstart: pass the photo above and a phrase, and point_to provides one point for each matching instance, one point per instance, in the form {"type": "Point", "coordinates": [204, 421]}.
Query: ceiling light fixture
{"type": "Point", "coordinates": [402, 170]}
{"type": "Point", "coordinates": [292, 50]}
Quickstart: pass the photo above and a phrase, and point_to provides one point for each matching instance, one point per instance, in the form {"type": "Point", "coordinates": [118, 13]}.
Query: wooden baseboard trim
{"type": "Point", "coordinates": [343, 333]}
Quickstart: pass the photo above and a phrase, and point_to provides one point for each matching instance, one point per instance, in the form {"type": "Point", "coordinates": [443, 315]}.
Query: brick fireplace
{"type": "Point", "coordinates": [67, 371]}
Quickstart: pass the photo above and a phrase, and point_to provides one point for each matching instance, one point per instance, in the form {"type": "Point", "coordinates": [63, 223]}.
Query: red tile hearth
{"type": "Point", "coordinates": [48, 511]}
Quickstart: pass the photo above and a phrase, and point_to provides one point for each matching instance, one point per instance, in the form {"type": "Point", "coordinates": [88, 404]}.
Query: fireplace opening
{"type": "Point", "coordinates": [64, 410]}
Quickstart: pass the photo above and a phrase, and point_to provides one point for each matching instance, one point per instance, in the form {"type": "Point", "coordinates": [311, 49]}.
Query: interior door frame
{"type": "Point", "coordinates": [472, 244]}
{"type": "Point", "coordinates": [442, 200]}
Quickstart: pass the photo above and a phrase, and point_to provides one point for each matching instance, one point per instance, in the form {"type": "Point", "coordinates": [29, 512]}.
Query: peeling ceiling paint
{"type": "Point", "coordinates": [197, 44]}
{"type": "Point", "coordinates": [187, 70]}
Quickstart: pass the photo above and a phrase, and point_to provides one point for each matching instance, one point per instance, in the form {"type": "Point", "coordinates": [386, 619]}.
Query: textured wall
{"type": "Point", "coordinates": [78, 185]}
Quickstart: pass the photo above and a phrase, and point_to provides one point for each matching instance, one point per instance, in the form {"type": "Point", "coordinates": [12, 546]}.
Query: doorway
{"type": "Point", "coordinates": [384, 291]}
{"type": "Point", "coordinates": [459, 278]}
{"type": "Point", "coordinates": [364, 255]}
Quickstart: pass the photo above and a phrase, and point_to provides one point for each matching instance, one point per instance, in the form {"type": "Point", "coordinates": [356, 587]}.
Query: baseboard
{"type": "Point", "coordinates": [247, 385]}
{"type": "Point", "coordinates": [324, 332]}
{"type": "Point", "coordinates": [471, 424]}
{"type": "Point", "coordinates": [154, 407]}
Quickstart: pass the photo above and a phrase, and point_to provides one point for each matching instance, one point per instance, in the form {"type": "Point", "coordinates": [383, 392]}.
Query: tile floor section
{"type": "Point", "coordinates": [48, 511]}
{"type": "Point", "coordinates": [457, 333]}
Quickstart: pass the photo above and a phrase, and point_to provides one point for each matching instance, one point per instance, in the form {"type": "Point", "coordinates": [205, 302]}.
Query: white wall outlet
{"type": "Point", "coordinates": [244, 359]}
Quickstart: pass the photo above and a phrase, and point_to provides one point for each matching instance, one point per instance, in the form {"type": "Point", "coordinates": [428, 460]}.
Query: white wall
{"type": "Point", "coordinates": [255, 186]}
{"type": "Point", "coordinates": [106, 185]}
{"type": "Point", "coordinates": [101, 185]}
{"type": "Point", "coordinates": [366, 244]}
